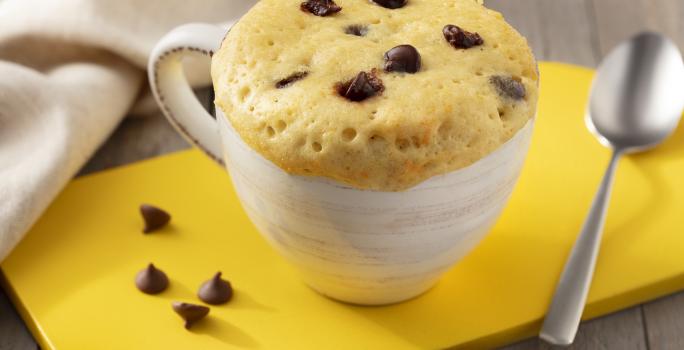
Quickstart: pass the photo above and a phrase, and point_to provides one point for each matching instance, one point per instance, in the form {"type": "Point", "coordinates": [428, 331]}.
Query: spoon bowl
{"type": "Point", "coordinates": [637, 96]}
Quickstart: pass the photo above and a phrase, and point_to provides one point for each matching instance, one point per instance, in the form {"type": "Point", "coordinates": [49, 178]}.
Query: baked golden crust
{"type": "Point", "coordinates": [454, 111]}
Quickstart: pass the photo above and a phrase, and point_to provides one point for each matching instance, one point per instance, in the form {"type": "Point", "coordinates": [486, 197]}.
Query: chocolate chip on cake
{"type": "Point", "coordinates": [403, 58]}
{"type": "Point", "coordinates": [151, 280]}
{"type": "Point", "coordinates": [508, 86]}
{"type": "Point", "coordinates": [215, 291]}
{"type": "Point", "coordinates": [291, 79]}
{"type": "Point", "coordinates": [461, 39]}
{"type": "Point", "coordinates": [155, 218]}
{"type": "Point", "coordinates": [320, 8]}
{"type": "Point", "coordinates": [356, 29]}
{"type": "Point", "coordinates": [363, 86]}
{"type": "Point", "coordinates": [190, 313]}
{"type": "Point", "coordinates": [391, 4]}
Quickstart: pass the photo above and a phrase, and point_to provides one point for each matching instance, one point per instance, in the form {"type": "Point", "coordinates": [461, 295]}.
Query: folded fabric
{"type": "Point", "coordinates": [70, 70]}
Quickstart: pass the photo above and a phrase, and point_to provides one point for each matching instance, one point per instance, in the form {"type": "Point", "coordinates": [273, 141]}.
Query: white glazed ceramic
{"type": "Point", "coordinates": [363, 247]}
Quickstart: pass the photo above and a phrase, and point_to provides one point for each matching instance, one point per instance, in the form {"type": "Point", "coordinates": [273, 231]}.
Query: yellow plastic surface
{"type": "Point", "coordinates": [72, 277]}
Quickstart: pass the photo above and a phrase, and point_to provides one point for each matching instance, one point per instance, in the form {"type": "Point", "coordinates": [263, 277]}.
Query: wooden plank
{"type": "Point", "coordinates": [13, 333]}
{"type": "Point", "coordinates": [666, 16]}
{"type": "Point", "coordinates": [664, 321]}
{"type": "Point", "coordinates": [557, 30]}
{"type": "Point", "coordinates": [621, 330]}
{"type": "Point", "coordinates": [517, 13]}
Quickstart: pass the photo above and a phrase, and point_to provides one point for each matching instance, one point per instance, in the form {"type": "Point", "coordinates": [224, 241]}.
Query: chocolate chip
{"type": "Point", "coordinates": [356, 29]}
{"type": "Point", "coordinates": [403, 58]}
{"type": "Point", "coordinates": [151, 280]}
{"type": "Point", "coordinates": [191, 313]}
{"type": "Point", "coordinates": [461, 39]}
{"type": "Point", "coordinates": [363, 86]}
{"type": "Point", "coordinates": [155, 218]}
{"type": "Point", "coordinates": [291, 79]}
{"type": "Point", "coordinates": [391, 4]}
{"type": "Point", "coordinates": [320, 8]}
{"type": "Point", "coordinates": [508, 86]}
{"type": "Point", "coordinates": [215, 291]}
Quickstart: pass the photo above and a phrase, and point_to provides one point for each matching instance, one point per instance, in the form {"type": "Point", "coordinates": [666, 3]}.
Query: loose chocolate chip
{"type": "Point", "coordinates": [320, 8]}
{"type": "Point", "coordinates": [191, 313]}
{"type": "Point", "coordinates": [403, 58]}
{"type": "Point", "coordinates": [291, 79]}
{"type": "Point", "coordinates": [356, 29]}
{"type": "Point", "coordinates": [391, 4]}
{"type": "Point", "coordinates": [151, 280]}
{"type": "Point", "coordinates": [155, 218]}
{"type": "Point", "coordinates": [215, 291]}
{"type": "Point", "coordinates": [508, 86]}
{"type": "Point", "coordinates": [461, 39]}
{"type": "Point", "coordinates": [363, 86]}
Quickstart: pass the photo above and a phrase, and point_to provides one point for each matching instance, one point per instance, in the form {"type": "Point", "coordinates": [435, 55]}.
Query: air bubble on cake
{"type": "Point", "coordinates": [415, 139]}
{"type": "Point", "coordinates": [356, 30]}
{"type": "Point", "coordinates": [270, 131]}
{"type": "Point", "coordinates": [349, 134]}
{"type": "Point", "coordinates": [244, 92]}
{"type": "Point", "coordinates": [402, 144]}
{"type": "Point", "coordinates": [372, 115]}
{"type": "Point", "coordinates": [502, 113]}
{"type": "Point", "coordinates": [280, 125]}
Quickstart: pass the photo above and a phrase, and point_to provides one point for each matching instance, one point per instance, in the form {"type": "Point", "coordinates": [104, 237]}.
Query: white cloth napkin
{"type": "Point", "coordinates": [70, 70]}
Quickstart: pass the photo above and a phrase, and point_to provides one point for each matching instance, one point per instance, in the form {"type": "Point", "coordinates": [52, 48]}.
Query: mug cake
{"type": "Point", "coordinates": [375, 94]}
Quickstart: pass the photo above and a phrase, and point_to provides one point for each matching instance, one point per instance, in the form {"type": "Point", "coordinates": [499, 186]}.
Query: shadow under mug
{"type": "Point", "coordinates": [357, 246]}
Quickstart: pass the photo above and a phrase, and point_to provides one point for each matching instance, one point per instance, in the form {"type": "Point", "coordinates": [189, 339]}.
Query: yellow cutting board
{"type": "Point", "coordinates": [72, 276]}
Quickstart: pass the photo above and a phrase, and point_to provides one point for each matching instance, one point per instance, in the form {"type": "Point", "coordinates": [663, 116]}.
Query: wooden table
{"type": "Point", "coordinates": [575, 31]}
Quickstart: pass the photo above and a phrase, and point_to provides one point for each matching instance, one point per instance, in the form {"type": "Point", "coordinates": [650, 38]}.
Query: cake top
{"type": "Point", "coordinates": [376, 94]}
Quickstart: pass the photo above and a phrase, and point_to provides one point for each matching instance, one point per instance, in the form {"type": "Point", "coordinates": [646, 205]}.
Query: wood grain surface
{"type": "Point", "coordinates": [574, 31]}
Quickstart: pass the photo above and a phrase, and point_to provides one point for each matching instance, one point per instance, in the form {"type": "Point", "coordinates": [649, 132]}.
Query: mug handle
{"type": "Point", "coordinates": [172, 90]}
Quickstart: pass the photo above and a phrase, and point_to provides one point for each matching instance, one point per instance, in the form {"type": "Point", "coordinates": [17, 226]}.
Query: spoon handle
{"type": "Point", "coordinates": [562, 320]}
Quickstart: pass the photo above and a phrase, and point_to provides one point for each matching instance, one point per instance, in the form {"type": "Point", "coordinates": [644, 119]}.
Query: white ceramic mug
{"type": "Point", "coordinates": [358, 246]}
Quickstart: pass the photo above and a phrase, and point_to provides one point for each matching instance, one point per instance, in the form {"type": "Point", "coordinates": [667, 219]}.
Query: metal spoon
{"type": "Point", "coordinates": [636, 102]}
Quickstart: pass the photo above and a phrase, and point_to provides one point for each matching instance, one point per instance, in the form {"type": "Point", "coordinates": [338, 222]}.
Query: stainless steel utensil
{"type": "Point", "coordinates": [636, 102]}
